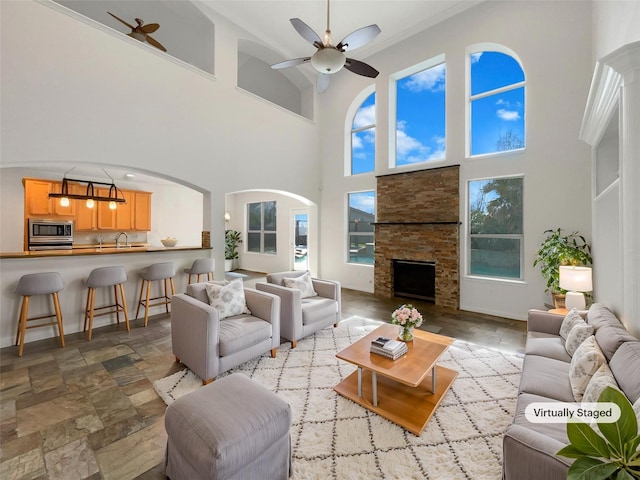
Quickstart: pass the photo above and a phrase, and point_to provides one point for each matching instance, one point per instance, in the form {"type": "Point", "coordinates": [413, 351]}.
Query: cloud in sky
{"type": "Point", "coordinates": [411, 150]}
{"type": "Point", "coordinates": [364, 201]}
{"type": "Point", "coordinates": [507, 115]}
{"type": "Point", "coordinates": [365, 116]}
{"type": "Point", "coordinates": [431, 79]}
{"type": "Point", "coordinates": [475, 57]}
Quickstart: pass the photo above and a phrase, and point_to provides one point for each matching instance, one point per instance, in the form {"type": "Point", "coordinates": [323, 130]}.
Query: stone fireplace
{"type": "Point", "coordinates": [418, 221]}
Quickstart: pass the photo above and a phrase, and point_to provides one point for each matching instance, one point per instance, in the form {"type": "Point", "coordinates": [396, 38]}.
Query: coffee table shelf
{"type": "Point", "coordinates": [403, 386]}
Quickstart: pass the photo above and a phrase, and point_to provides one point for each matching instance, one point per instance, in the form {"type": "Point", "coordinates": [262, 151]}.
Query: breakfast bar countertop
{"type": "Point", "coordinates": [97, 250]}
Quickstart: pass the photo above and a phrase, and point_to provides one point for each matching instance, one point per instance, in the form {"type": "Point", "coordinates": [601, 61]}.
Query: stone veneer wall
{"type": "Point", "coordinates": [418, 219]}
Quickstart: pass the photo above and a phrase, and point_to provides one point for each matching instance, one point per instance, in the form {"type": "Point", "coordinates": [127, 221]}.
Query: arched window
{"type": "Point", "coordinates": [496, 107]}
{"type": "Point", "coordinates": [363, 137]}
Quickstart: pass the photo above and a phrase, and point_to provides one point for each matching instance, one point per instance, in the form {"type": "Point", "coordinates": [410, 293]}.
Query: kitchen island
{"type": "Point", "coordinates": [74, 266]}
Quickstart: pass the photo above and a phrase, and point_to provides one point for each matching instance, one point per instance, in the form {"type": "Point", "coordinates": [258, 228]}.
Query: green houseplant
{"type": "Point", "coordinates": [612, 455]}
{"type": "Point", "coordinates": [556, 250]}
{"type": "Point", "coordinates": [232, 239]}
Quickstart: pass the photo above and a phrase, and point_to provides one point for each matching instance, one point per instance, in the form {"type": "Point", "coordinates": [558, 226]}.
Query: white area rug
{"type": "Point", "coordinates": [333, 437]}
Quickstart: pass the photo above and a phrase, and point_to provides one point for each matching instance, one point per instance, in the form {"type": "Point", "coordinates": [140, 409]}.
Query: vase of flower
{"type": "Point", "coordinates": [407, 317]}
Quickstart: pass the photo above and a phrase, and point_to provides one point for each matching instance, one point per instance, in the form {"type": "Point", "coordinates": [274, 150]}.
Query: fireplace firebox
{"type": "Point", "coordinates": [414, 279]}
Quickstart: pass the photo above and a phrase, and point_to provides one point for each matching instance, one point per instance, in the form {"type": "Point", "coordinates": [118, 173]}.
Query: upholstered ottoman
{"type": "Point", "coordinates": [231, 429]}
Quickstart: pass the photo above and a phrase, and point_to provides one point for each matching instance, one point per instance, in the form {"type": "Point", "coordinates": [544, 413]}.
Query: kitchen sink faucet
{"type": "Point", "coordinates": [126, 239]}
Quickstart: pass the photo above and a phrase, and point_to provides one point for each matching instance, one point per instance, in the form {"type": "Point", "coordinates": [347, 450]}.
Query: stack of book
{"type": "Point", "coordinates": [392, 349]}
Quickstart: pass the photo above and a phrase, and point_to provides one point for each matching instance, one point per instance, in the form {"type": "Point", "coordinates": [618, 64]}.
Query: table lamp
{"type": "Point", "coordinates": [575, 280]}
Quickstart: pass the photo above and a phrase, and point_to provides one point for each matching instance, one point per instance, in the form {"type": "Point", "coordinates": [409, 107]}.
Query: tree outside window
{"type": "Point", "coordinates": [261, 227]}
{"type": "Point", "coordinates": [497, 103]}
{"type": "Point", "coordinates": [495, 227]}
{"type": "Point", "coordinates": [360, 242]}
{"type": "Point", "coordinates": [363, 137]}
{"type": "Point", "coordinates": [420, 115]}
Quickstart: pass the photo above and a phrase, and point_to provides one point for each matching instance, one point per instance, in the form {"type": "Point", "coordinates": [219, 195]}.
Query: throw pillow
{"type": "Point", "coordinates": [569, 321]}
{"type": "Point", "coordinates": [578, 334]}
{"type": "Point", "coordinates": [601, 379]}
{"type": "Point", "coordinates": [584, 363]}
{"type": "Point", "coordinates": [302, 283]}
{"type": "Point", "coordinates": [227, 299]}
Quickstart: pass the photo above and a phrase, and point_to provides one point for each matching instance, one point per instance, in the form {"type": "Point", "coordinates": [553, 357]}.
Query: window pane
{"type": "Point", "coordinates": [491, 70]}
{"type": "Point", "coordinates": [363, 151]}
{"type": "Point", "coordinates": [253, 242]}
{"type": "Point", "coordinates": [270, 243]}
{"type": "Point", "coordinates": [495, 206]}
{"type": "Point", "coordinates": [498, 257]}
{"type": "Point", "coordinates": [361, 248]}
{"type": "Point", "coordinates": [497, 122]}
{"type": "Point", "coordinates": [363, 137]}
{"type": "Point", "coordinates": [255, 214]}
{"type": "Point", "coordinates": [269, 216]}
{"type": "Point", "coordinates": [420, 121]}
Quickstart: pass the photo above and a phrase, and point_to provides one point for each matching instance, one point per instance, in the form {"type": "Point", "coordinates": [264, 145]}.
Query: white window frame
{"type": "Point", "coordinates": [348, 231]}
{"type": "Point", "coordinates": [262, 231]}
{"type": "Point", "coordinates": [351, 114]}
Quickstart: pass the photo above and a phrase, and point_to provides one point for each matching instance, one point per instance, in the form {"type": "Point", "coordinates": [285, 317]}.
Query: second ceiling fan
{"type": "Point", "coordinates": [329, 59]}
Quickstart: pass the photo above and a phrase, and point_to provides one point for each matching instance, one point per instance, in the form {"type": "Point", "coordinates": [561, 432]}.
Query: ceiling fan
{"type": "Point", "coordinates": [329, 59]}
{"type": "Point", "coordinates": [141, 31]}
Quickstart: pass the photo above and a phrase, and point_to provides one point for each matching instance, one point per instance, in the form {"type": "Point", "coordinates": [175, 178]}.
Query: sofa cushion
{"type": "Point", "coordinates": [227, 299]}
{"type": "Point", "coordinates": [557, 431]}
{"type": "Point", "coordinates": [546, 377]}
{"type": "Point", "coordinates": [302, 283]}
{"type": "Point", "coordinates": [584, 363]}
{"type": "Point", "coordinates": [625, 366]}
{"type": "Point", "coordinates": [315, 309]}
{"type": "Point", "coordinates": [546, 345]}
{"type": "Point", "coordinates": [241, 332]}
{"type": "Point", "coordinates": [199, 290]}
{"type": "Point", "coordinates": [578, 334]}
{"type": "Point", "coordinates": [610, 337]}
{"type": "Point", "coordinates": [599, 315]}
{"type": "Point", "coordinates": [572, 318]}
{"type": "Point", "coordinates": [601, 379]}
{"type": "Point", "coordinates": [278, 278]}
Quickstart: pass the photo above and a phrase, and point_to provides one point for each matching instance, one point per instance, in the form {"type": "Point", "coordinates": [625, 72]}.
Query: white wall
{"type": "Point", "coordinates": [553, 41]}
{"type": "Point", "coordinates": [615, 23]}
{"type": "Point", "coordinates": [75, 93]}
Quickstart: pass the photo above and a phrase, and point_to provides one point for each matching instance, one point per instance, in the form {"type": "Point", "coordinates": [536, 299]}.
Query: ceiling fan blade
{"type": "Point", "coordinates": [360, 68]}
{"type": "Point", "coordinates": [149, 28]}
{"type": "Point", "coordinates": [306, 32]}
{"type": "Point", "coordinates": [290, 63]}
{"type": "Point", "coordinates": [122, 21]}
{"type": "Point", "coordinates": [358, 38]}
{"type": "Point", "coordinates": [323, 82]}
{"type": "Point", "coordinates": [155, 43]}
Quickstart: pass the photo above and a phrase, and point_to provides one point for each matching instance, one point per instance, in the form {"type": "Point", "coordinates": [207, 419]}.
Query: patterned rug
{"type": "Point", "coordinates": [333, 437]}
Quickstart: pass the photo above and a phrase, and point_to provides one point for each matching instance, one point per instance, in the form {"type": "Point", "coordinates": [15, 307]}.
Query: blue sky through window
{"type": "Point", "coordinates": [363, 137]}
{"type": "Point", "coordinates": [497, 120]}
{"type": "Point", "coordinates": [420, 116]}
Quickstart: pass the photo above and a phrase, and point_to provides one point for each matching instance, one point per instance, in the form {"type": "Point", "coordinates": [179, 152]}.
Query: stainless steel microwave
{"type": "Point", "coordinates": [50, 234]}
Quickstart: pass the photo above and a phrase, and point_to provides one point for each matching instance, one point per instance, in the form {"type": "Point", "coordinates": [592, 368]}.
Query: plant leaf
{"type": "Point", "coordinates": [623, 430]}
{"type": "Point", "coordinates": [623, 475]}
{"type": "Point", "coordinates": [586, 468]}
{"type": "Point", "coordinates": [570, 452]}
{"type": "Point", "coordinates": [585, 439]}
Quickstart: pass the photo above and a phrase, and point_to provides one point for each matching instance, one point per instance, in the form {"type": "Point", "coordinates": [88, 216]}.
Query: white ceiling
{"type": "Point", "coordinates": [268, 20]}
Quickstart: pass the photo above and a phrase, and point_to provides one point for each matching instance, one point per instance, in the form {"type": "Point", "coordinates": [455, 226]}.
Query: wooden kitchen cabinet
{"type": "Point", "coordinates": [59, 210]}
{"type": "Point", "coordinates": [106, 216]}
{"type": "Point", "coordinates": [36, 198]}
{"type": "Point", "coordinates": [142, 211]}
{"type": "Point", "coordinates": [125, 212]}
{"type": "Point", "coordinates": [85, 218]}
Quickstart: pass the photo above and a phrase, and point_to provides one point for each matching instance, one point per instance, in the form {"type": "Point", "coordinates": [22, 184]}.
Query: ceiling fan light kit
{"type": "Point", "coordinates": [329, 59]}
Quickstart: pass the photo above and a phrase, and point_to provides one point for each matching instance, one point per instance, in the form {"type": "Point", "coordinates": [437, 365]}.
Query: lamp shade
{"type": "Point", "coordinates": [576, 279]}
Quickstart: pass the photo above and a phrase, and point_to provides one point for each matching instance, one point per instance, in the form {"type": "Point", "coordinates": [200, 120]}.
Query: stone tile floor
{"type": "Point", "coordinates": [89, 411]}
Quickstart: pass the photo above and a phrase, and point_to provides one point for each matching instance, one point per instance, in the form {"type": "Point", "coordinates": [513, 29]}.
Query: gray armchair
{"type": "Point", "coordinates": [300, 317]}
{"type": "Point", "coordinates": [210, 346]}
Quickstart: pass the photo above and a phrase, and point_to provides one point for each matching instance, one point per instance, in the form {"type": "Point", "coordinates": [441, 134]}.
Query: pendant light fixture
{"type": "Point", "coordinates": [114, 197]}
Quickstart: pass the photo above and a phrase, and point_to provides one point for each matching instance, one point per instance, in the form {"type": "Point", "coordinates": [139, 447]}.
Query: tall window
{"type": "Point", "coordinates": [420, 113]}
{"type": "Point", "coordinates": [361, 214]}
{"type": "Point", "coordinates": [363, 137]}
{"type": "Point", "coordinates": [261, 227]}
{"type": "Point", "coordinates": [495, 227]}
{"type": "Point", "coordinates": [496, 102]}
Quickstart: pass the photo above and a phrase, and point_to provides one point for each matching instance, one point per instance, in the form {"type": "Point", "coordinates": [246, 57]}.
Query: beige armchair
{"type": "Point", "coordinates": [300, 316]}
{"type": "Point", "coordinates": [209, 345]}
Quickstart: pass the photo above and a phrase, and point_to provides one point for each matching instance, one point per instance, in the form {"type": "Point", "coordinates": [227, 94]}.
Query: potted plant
{"type": "Point", "coordinates": [556, 250]}
{"type": "Point", "coordinates": [611, 451]}
{"type": "Point", "coordinates": [232, 239]}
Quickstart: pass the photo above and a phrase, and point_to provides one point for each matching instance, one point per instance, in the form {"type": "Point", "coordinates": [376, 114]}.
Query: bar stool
{"type": "Point", "coordinates": [158, 271]}
{"type": "Point", "coordinates": [38, 284]}
{"type": "Point", "coordinates": [201, 266]}
{"type": "Point", "coordinates": [105, 277]}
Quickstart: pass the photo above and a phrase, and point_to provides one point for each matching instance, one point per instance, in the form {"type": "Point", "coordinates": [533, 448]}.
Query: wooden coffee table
{"type": "Point", "coordinates": [405, 391]}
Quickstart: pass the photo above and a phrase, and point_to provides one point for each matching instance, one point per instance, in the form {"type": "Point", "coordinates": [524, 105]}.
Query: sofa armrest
{"type": "Point", "coordinates": [327, 288]}
{"type": "Point", "coordinates": [263, 305]}
{"type": "Point", "coordinates": [544, 322]}
{"type": "Point", "coordinates": [290, 308]}
{"type": "Point", "coordinates": [195, 331]}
